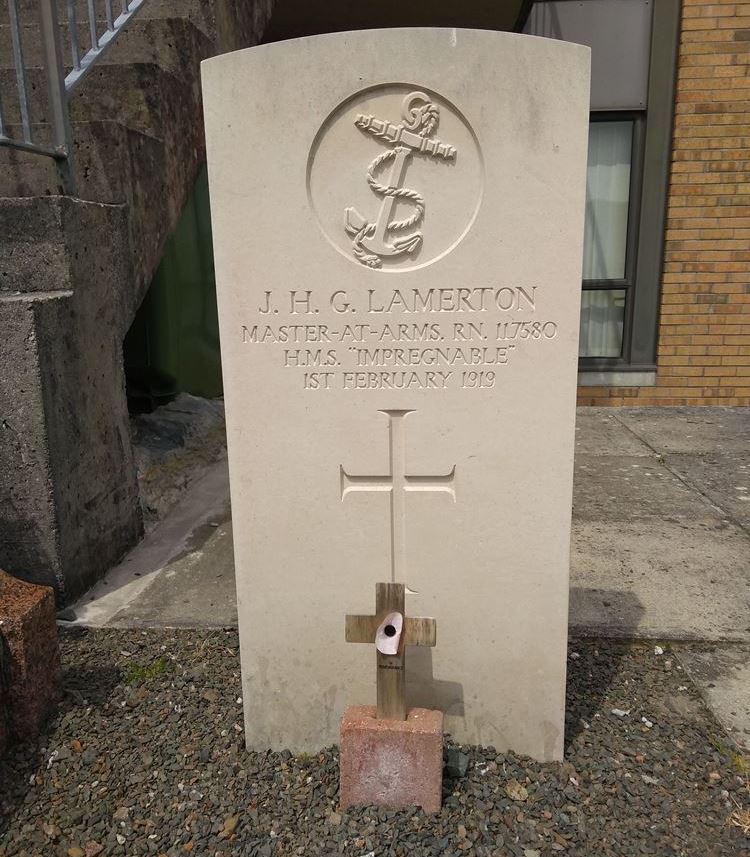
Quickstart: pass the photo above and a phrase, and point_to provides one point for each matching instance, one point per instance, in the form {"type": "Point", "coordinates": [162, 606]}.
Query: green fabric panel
{"type": "Point", "coordinates": [173, 345]}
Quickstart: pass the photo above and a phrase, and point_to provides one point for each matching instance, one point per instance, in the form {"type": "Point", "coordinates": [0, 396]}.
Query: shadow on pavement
{"type": "Point", "coordinates": [598, 658]}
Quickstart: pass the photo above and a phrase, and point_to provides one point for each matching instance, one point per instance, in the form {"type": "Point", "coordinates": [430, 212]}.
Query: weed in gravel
{"type": "Point", "coordinates": [741, 818]}
{"type": "Point", "coordinates": [138, 673]}
{"type": "Point", "coordinates": [736, 759]}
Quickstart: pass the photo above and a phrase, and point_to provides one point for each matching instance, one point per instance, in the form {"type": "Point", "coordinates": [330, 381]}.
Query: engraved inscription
{"type": "Point", "coordinates": [372, 241]}
{"type": "Point", "coordinates": [461, 338]}
{"type": "Point", "coordinates": [397, 482]}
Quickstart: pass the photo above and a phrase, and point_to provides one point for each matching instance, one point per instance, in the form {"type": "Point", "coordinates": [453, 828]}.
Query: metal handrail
{"type": "Point", "coordinates": [60, 85]}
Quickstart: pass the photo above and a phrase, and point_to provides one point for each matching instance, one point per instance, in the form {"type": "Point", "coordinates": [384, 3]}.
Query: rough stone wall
{"type": "Point", "coordinates": [69, 494]}
{"type": "Point", "coordinates": [72, 274]}
{"type": "Point", "coordinates": [704, 326]}
{"type": "Point", "coordinates": [28, 527]}
{"type": "Point", "coordinates": [239, 23]}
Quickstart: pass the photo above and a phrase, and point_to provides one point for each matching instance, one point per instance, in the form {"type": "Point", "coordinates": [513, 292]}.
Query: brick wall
{"type": "Point", "coordinates": [704, 327]}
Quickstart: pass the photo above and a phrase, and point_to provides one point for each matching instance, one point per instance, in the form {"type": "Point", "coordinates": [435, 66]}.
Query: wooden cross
{"type": "Point", "coordinates": [389, 598]}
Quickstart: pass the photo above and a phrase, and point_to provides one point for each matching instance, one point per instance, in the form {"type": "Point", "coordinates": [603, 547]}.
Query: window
{"type": "Point", "coordinates": [608, 245]}
{"type": "Point", "coordinates": [633, 61]}
{"type": "Point", "coordinates": [607, 199]}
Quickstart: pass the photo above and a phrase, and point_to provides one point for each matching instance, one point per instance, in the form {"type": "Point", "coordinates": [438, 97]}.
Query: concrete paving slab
{"type": "Point", "coordinates": [651, 555]}
{"type": "Point", "coordinates": [723, 478]}
{"type": "Point", "coordinates": [660, 579]}
{"type": "Point", "coordinates": [599, 432]}
{"type": "Point", "coordinates": [634, 488]}
{"type": "Point", "coordinates": [184, 528]}
{"type": "Point", "coordinates": [196, 590]}
{"type": "Point", "coordinates": [647, 580]}
{"type": "Point", "coordinates": [722, 675]}
{"type": "Point", "coordinates": [670, 430]}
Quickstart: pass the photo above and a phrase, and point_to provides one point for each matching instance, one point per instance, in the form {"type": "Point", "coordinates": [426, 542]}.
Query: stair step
{"type": "Point", "coordinates": [198, 12]}
{"type": "Point", "coordinates": [141, 96]}
{"type": "Point", "coordinates": [169, 43]}
{"type": "Point", "coordinates": [115, 164]}
{"type": "Point", "coordinates": [102, 152]}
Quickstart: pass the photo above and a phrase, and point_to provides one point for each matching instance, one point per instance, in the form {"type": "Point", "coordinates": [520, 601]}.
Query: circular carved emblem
{"type": "Point", "coordinates": [395, 177]}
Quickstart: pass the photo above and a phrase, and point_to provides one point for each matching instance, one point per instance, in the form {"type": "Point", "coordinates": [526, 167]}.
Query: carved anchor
{"type": "Point", "coordinates": [370, 242]}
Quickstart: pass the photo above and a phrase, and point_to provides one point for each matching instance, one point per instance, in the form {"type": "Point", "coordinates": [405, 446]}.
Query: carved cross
{"type": "Point", "coordinates": [389, 615]}
{"type": "Point", "coordinates": [397, 483]}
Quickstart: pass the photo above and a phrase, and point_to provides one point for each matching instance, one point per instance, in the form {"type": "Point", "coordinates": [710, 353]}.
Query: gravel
{"type": "Point", "coordinates": [146, 757]}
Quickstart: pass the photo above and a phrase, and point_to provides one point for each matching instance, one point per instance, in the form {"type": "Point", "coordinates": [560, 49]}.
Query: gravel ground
{"type": "Point", "coordinates": [146, 758]}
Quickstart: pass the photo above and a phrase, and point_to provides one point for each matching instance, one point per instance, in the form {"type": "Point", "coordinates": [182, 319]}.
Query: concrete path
{"type": "Point", "coordinates": [660, 546]}
{"type": "Point", "coordinates": [661, 523]}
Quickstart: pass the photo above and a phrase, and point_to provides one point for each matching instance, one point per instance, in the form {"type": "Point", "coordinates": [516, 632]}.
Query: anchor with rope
{"type": "Point", "coordinates": [370, 244]}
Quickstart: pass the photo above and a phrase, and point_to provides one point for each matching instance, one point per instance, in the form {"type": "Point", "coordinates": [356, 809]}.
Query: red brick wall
{"type": "Point", "coordinates": [704, 327]}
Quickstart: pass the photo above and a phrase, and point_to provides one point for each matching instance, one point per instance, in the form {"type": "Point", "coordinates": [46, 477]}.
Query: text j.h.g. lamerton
{"type": "Point", "coordinates": [476, 299]}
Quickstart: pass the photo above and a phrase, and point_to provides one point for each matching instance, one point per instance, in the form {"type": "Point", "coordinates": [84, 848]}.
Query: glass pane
{"type": "Point", "coordinates": [602, 316]}
{"type": "Point", "coordinates": [607, 197]}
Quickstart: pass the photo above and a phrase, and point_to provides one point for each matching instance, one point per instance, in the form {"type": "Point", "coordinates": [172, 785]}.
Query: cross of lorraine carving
{"type": "Point", "coordinates": [397, 483]}
{"type": "Point", "coordinates": [391, 668]}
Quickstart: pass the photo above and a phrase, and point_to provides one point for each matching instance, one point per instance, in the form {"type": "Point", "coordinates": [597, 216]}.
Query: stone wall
{"type": "Point", "coordinates": [704, 326]}
{"type": "Point", "coordinates": [68, 492]}
{"type": "Point", "coordinates": [73, 272]}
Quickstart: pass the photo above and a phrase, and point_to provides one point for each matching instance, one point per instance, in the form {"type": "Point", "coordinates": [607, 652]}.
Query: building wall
{"type": "Point", "coordinates": [704, 326]}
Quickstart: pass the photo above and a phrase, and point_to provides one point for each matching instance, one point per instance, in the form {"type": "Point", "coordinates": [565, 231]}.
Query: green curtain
{"type": "Point", "coordinates": [173, 344]}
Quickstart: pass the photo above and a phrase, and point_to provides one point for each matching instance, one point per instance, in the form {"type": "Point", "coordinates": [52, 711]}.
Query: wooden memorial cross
{"type": "Point", "coordinates": [390, 620]}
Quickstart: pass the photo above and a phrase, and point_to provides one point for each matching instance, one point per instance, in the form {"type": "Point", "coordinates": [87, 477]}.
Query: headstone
{"type": "Point", "coordinates": [398, 220]}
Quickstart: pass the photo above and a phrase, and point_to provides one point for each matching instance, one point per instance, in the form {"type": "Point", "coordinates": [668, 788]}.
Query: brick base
{"type": "Point", "coordinates": [391, 763]}
{"type": "Point", "coordinates": [661, 395]}
{"type": "Point", "coordinates": [30, 679]}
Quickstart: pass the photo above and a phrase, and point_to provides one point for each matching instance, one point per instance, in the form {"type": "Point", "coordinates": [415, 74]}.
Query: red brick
{"type": "Point", "coordinates": [391, 763]}
{"type": "Point", "coordinates": [29, 636]}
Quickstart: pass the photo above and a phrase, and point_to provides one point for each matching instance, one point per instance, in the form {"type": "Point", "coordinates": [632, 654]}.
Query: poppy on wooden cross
{"type": "Point", "coordinates": [391, 632]}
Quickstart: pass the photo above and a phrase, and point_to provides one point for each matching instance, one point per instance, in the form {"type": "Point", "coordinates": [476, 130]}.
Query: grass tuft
{"type": "Point", "coordinates": [138, 673]}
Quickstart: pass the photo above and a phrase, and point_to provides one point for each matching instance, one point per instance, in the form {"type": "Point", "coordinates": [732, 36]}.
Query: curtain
{"type": "Point", "coordinates": [607, 198]}
{"type": "Point", "coordinates": [602, 316]}
{"type": "Point", "coordinates": [606, 236]}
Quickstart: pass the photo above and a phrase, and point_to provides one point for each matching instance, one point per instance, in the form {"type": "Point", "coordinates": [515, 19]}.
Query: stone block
{"type": "Point", "coordinates": [68, 489]}
{"type": "Point", "coordinates": [30, 683]}
{"type": "Point", "coordinates": [391, 763]}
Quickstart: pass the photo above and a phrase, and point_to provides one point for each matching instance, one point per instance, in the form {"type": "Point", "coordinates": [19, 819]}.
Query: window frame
{"type": "Point", "coordinates": [628, 282]}
{"type": "Point", "coordinates": [646, 226]}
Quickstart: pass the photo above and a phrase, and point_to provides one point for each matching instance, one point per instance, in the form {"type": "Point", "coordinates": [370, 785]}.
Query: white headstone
{"type": "Point", "coordinates": [398, 219]}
